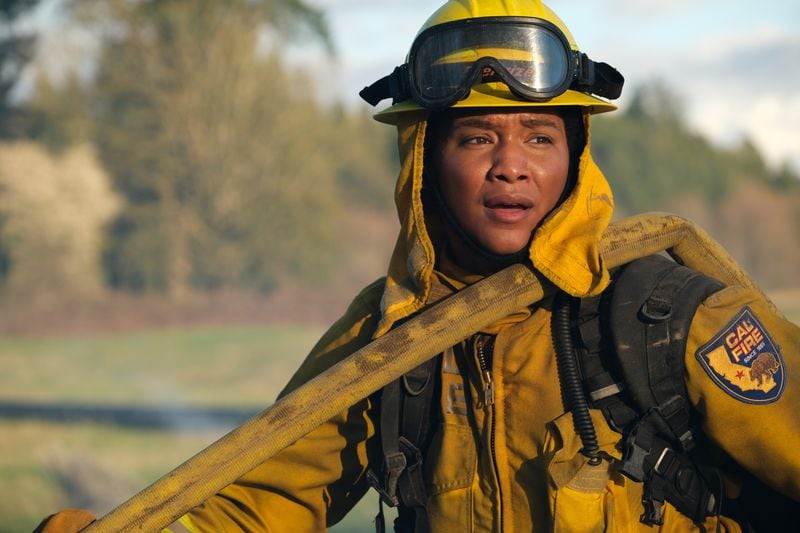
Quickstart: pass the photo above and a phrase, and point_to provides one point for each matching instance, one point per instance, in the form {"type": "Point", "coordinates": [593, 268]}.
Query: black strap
{"type": "Point", "coordinates": [394, 461]}
{"type": "Point", "coordinates": [602, 383]}
{"type": "Point", "coordinates": [633, 341]}
{"type": "Point", "coordinates": [669, 475]}
{"type": "Point", "coordinates": [418, 388]}
{"type": "Point", "coordinates": [607, 81]}
{"type": "Point", "coordinates": [652, 305]}
{"type": "Point", "coordinates": [405, 421]}
{"type": "Point", "coordinates": [392, 86]}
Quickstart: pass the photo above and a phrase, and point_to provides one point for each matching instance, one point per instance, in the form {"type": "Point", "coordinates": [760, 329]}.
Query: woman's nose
{"type": "Point", "coordinates": [509, 163]}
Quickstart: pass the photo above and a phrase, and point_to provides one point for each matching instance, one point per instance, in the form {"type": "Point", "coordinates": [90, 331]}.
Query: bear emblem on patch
{"type": "Point", "coordinates": [744, 360]}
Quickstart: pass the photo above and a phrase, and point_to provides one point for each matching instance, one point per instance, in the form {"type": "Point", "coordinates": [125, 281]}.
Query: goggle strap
{"type": "Point", "coordinates": [379, 90]}
{"type": "Point", "coordinates": [599, 78]}
{"type": "Point", "coordinates": [585, 71]}
{"type": "Point", "coordinates": [608, 81]}
{"type": "Point", "coordinates": [596, 78]}
{"type": "Point", "coordinates": [394, 86]}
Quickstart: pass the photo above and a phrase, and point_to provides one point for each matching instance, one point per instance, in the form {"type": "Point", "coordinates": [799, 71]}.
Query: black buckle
{"type": "Point", "coordinates": [398, 84]}
{"type": "Point", "coordinates": [394, 86]}
{"type": "Point", "coordinates": [655, 494]}
{"type": "Point", "coordinates": [393, 466]}
{"type": "Point", "coordinates": [585, 71]}
{"type": "Point", "coordinates": [653, 509]}
{"type": "Point", "coordinates": [633, 457]}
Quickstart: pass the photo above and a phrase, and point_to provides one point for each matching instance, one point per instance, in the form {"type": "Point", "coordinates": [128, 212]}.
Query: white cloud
{"type": "Point", "coordinates": [746, 85]}
{"type": "Point", "coordinates": [765, 57]}
{"type": "Point", "coordinates": [769, 120]}
{"type": "Point", "coordinates": [717, 45]}
{"type": "Point", "coordinates": [775, 126]}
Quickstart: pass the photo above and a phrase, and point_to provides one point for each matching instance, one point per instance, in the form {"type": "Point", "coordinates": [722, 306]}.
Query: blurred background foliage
{"type": "Point", "coordinates": [227, 173]}
{"type": "Point", "coordinates": [230, 174]}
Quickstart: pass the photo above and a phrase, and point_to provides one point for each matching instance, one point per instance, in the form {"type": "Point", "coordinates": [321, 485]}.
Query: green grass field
{"type": "Point", "coordinates": [46, 466]}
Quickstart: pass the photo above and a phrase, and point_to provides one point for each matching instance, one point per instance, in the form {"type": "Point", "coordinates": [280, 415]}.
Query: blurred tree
{"type": "Point", "coordinates": [16, 50]}
{"type": "Point", "coordinates": [761, 228]}
{"type": "Point", "coordinates": [53, 213]}
{"type": "Point", "coordinates": [59, 114]}
{"type": "Point", "coordinates": [215, 146]}
{"type": "Point", "coordinates": [651, 155]}
{"type": "Point", "coordinates": [655, 101]}
{"type": "Point", "coordinates": [365, 155]}
{"type": "Point", "coordinates": [655, 162]}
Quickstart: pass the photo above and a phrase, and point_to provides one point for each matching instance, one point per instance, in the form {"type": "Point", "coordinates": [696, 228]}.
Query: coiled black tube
{"type": "Point", "coordinates": [569, 376]}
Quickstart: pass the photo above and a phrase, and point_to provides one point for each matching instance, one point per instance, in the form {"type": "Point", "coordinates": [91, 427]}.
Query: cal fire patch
{"type": "Point", "coordinates": [744, 360]}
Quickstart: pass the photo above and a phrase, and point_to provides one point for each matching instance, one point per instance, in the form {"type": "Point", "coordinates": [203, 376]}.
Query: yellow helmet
{"type": "Point", "coordinates": [494, 53]}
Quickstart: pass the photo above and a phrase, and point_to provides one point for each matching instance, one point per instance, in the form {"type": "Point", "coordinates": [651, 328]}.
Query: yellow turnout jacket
{"type": "Point", "coordinates": [510, 462]}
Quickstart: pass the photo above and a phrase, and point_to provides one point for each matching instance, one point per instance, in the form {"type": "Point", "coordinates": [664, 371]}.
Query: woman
{"type": "Point", "coordinates": [492, 110]}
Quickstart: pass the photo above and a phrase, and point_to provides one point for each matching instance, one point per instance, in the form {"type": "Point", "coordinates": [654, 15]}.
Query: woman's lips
{"type": "Point", "coordinates": [507, 209]}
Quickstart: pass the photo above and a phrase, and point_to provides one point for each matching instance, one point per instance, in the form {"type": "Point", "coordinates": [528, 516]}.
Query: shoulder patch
{"type": "Point", "coordinates": [744, 360]}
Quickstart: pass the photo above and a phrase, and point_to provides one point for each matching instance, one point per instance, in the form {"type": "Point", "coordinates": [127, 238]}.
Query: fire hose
{"type": "Point", "coordinates": [392, 355]}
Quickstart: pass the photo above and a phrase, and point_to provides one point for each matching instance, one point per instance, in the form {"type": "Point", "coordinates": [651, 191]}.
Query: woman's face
{"type": "Point", "coordinates": [501, 172]}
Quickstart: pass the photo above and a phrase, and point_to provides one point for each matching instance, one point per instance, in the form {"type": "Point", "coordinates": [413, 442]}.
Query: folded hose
{"type": "Point", "coordinates": [391, 356]}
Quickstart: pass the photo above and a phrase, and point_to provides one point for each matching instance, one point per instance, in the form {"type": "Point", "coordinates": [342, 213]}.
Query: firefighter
{"type": "Point", "coordinates": [493, 110]}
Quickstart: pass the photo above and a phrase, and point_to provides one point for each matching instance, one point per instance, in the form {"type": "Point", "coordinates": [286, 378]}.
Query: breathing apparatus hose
{"type": "Point", "coordinates": [389, 357]}
{"type": "Point", "coordinates": [570, 378]}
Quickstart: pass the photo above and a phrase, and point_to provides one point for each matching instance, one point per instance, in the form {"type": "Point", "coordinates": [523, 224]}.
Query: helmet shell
{"type": "Point", "coordinates": [497, 94]}
{"type": "Point", "coordinates": [469, 9]}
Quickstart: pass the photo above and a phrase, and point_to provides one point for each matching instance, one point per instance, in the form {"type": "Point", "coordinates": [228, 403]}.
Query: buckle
{"type": "Point", "coordinates": [657, 467]}
{"type": "Point", "coordinates": [653, 498]}
{"type": "Point", "coordinates": [633, 456]}
{"type": "Point", "coordinates": [393, 466]}
{"type": "Point", "coordinates": [653, 512]}
{"type": "Point", "coordinates": [398, 84]}
{"type": "Point", "coordinates": [584, 70]}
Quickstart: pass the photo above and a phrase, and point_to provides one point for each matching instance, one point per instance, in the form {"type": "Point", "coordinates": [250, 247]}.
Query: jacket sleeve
{"type": "Point", "coordinates": [743, 376]}
{"type": "Point", "coordinates": [313, 483]}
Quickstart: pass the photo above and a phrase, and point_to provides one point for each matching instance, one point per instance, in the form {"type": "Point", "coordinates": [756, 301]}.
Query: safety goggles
{"type": "Point", "coordinates": [531, 56]}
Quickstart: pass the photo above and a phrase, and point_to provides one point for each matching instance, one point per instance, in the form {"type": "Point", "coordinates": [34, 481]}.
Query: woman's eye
{"type": "Point", "coordinates": [477, 139]}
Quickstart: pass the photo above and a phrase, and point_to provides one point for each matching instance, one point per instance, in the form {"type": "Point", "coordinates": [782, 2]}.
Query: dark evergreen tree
{"type": "Point", "coordinates": [16, 50]}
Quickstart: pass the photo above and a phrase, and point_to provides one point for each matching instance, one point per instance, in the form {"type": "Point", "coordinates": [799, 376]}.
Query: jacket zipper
{"type": "Point", "coordinates": [488, 402]}
{"type": "Point", "coordinates": [486, 372]}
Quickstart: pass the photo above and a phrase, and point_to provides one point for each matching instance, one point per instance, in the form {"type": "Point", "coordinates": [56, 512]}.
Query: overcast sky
{"type": "Point", "coordinates": [736, 63]}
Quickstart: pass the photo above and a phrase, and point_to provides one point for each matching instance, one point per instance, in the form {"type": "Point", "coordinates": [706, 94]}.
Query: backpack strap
{"type": "Point", "coordinates": [405, 422]}
{"type": "Point", "coordinates": [631, 344]}
{"type": "Point", "coordinates": [653, 301]}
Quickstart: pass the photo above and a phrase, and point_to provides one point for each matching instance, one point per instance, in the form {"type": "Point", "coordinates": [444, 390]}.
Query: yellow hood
{"type": "Point", "coordinates": [564, 247]}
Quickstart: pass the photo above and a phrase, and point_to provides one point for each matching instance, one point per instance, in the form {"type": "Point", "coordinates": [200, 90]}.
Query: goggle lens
{"type": "Point", "coordinates": [444, 63]}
